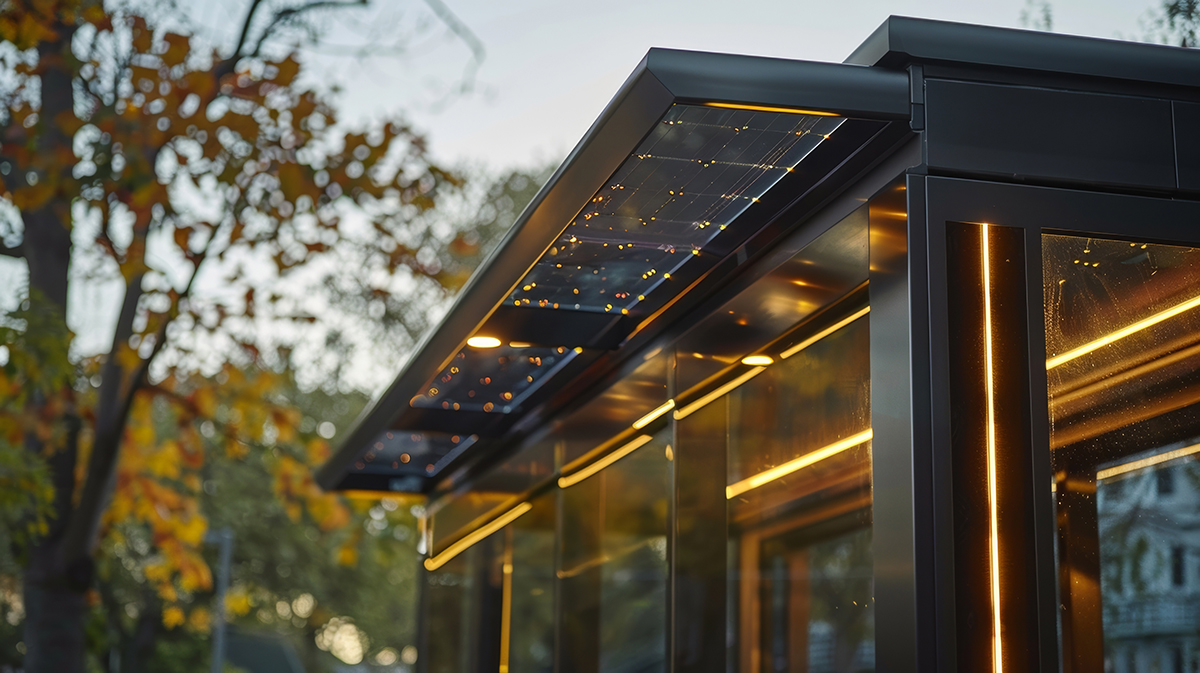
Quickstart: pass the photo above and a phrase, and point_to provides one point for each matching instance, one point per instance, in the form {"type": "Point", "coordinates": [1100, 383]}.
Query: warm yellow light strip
{"type": "Point", "coordinates": [506, 603]}
{"type": "Point", "coordinates": [1122, 333]}
{"type": "Point", "coordinates": [477, 535]}
{"type": "Point", "coordinates": [751, 483]}
{"type": "Point", "coordinates": [998, 664]}
{"type": "Point", "coordinates": [576, 477]}
{"type": "Point", "coordinates": [683, 413]}
{"type": "Point", "coordinates": [824, 333]}
{"type": "Point", "coordinates": [649, 418]}
{"type": "Point", "coordinates": [1116, 470]}
{"type": "Point", "coordinates": [767, 108]}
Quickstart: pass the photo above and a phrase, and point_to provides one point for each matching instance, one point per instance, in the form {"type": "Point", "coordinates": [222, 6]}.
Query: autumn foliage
{"type": "Point", "coordinates": [202, 187]}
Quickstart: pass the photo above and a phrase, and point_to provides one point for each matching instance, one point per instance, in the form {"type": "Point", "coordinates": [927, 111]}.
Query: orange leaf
{"type": "Point", "coordinates": [178, 47]}
{"type": "Point", "coordinates": [172, 617]}
{"type": "Point", "coordinates": [288, 69]}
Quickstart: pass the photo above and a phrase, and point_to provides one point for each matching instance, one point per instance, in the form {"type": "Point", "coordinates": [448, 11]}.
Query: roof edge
{"type": "Point", "coordinates": [901, 40]}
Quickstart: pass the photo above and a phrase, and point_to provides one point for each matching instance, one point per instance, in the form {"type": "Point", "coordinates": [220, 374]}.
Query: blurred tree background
{"type": "Point", "coordinates": [256, 256]}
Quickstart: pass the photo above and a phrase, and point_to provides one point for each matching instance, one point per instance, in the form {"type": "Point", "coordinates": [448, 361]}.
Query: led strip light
{"type": "Point", "coordinates": [766, 477]}
{"type": "Point", "coordinates": [1117, 470]}
{"type": "Point", "coordinates": [994, 552]}
{"type": "Point", "coordinates": [1116, 336]}
{"type": "Point", "coordinates": [476, 535]}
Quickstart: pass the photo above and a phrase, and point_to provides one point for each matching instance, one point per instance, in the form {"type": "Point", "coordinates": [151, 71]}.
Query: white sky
{"type": "Point", "coordinates": [552, 65]}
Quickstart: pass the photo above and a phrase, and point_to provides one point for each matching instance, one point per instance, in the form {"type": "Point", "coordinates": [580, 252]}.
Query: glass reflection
{"type": "Point", "coordinates": [1123, 368]}
{"type": "Point", "coordinates": [614, 572]}
{"type": "Point", "coordinates": [531, 587]}
{"type": "Point", "coordinates": [802, 537]}
{"type": "Point", "coordinates": [459, 624]}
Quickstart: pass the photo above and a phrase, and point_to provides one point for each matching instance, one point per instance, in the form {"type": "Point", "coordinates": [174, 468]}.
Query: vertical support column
{"type": "Point", "coordinates": [1079, 572]}
{"type": "Point", "coordinates": [700, 528]}
{"type": "Point", "coordinates": [990, 426]}
{"type": "Point", "coordinates": [900, 421]}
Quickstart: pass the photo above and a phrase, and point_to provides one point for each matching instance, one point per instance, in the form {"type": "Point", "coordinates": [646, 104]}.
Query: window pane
{"type": "Point", "coordinates": [800, 509]}
{"type": "Point", "coordinates": [1123, 368]}
{"type": "Point", "coordinates": [460, 629]}
{"type": "Point", "coordinates": [531, 616]}
{"type": "Point", "coordinates": [614, 568]}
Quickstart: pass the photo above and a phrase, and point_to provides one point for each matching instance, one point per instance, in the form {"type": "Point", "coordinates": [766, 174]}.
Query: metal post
{"type": "Point", "coordinates": [224, 539]}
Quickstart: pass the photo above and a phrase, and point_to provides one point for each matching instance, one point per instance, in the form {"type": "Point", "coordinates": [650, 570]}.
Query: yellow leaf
{"type": "Point", "coordinates": [200, 620]}
{"type": "Point", "coordinates": [347, 555]}
{"type": "Point", "coordinates": [157, 572]}
{"type": "Point", "coordinates": [192, 532]}
{"type": "Point", "coordinates": [318, 451]}
{"type": "Point", "coordinates": [237, 602]}
{"type": "Point", "coordinates": [172, 617]}
{"type": "Point", "coordinates": [165, 461]}
{"type": "Point", "coordinates": [167, 593]}
{"type": "Point", "coordinates": [206, 402]}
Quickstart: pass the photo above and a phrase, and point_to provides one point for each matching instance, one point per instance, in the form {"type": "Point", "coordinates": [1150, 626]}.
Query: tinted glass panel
{"type": "Point", "coordinates": [462, 596]}
{"type": "Point", "coordinates": [800, 509]}
{"type": "Point", "coordinates": [614, 564]}
{"type": "Point", "coordinates": [531, 625]}
{"type": "Point", "coordinates": [1123, 367]}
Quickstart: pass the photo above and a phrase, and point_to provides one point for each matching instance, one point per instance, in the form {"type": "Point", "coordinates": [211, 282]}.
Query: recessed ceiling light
{"type": "Point", "coordinates": [483, 342]}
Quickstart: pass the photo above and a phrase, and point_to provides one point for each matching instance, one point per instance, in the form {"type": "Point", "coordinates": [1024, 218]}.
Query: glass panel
{"type": "Point", "coordinates": [492, 379]}
{"type": "Point", "coordinates": [531, 644]}
{"type": "Point", "coordinates": [699, 169]}
{"type": "Point", "coordinates": [451, 519]}
{"type": "Point", "coordinates": [458, 593]}
{"type": "Point", "coordinates": [799, 490]}
{"type": "Point", "coordinates": [818, 275]}
{"type": "Point", "coordinates": [614, 564]}
{"type": "Point", "coordinates": [1123, 368]}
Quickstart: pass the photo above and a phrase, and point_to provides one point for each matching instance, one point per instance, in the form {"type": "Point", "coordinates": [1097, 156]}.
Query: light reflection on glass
{"type": "Point", "coordinates": [1123, 370]}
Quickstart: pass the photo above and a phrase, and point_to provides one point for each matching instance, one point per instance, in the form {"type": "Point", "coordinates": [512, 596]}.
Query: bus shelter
{"type": "Point", "coordinates": [892, 364]}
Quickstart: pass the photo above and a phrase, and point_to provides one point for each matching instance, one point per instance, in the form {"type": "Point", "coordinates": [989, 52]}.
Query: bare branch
{"type": "Point", "coordinates": [293, 13]}
{"type": "Point", "coordinates": [464, 33]}
{"type": "Point", "coordinates": [246, 27]}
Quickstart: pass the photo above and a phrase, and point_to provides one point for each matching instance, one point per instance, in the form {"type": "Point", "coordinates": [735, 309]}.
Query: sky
{"type": "Point", "coordinates": [551, 66]}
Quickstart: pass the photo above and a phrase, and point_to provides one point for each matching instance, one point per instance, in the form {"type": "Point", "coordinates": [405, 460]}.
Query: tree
{"type": "Point", "coordinates": [194, 183]}
{"type": "Point", "coordinates": [1175, 22]}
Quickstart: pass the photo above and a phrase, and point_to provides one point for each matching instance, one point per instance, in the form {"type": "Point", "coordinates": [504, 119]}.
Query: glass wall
{"type": "Point", "coordinates": [461, 598]}
{"type": "Point", "coordinates": [712, 504]}
{"type": "Point", "coordinates": [614, 571]}
{"type": "Point", "coordinates": [1123, 367]}
{"type": "Point", "coordinates": [800, 510]}
{"type": "Point", "coordinates": [527, 633]}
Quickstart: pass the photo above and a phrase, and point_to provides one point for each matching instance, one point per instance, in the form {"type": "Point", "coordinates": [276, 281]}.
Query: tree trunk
{"type": "Point", "coordinates": [55, 588]}
{"type": "Point", "coordinates": [54, 621]}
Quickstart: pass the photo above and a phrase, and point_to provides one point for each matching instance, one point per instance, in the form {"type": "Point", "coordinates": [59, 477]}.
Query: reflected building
{"type": "Point", "coordinates": [827, 368]}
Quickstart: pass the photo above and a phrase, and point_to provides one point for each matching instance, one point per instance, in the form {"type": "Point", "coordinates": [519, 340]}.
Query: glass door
{"type": "Point", "coordinates": [1071, 327]}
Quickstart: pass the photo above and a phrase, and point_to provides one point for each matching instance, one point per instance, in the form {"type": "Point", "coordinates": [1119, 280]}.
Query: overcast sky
{"type": "Point", "coordinates": [552, 65]}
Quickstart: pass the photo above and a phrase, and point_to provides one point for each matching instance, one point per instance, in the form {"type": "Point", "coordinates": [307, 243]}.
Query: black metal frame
{"type": "Point", "coordinates": [1033, 210]}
